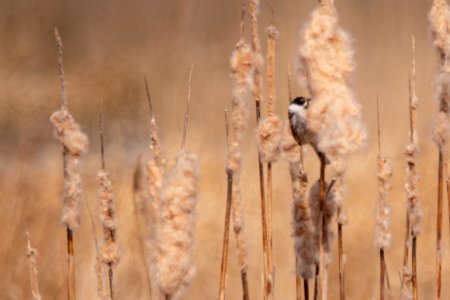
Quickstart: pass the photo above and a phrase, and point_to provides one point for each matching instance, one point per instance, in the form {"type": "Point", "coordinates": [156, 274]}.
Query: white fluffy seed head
{"type": "Point", "coordinates": [269, 135]}
{"type": "Point", "coordinates": [383, 235]}
{"type": "Point", "coordinates": [176, 227]}
{"type": "Point", "coordinates": [326, 64]}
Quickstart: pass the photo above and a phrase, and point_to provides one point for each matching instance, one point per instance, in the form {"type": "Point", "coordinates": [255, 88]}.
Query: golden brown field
{"type": "Point", "coordinates": [109, 46]}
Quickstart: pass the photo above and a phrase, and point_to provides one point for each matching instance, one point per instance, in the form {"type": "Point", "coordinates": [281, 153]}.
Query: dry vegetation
{"type": "Point", "coordinates": [157, 222]}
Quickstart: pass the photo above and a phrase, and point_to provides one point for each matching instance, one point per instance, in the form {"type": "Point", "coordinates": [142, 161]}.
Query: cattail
{"type": "Point", "coordinates": [326, 64]}
{"type": "Point", "coordinates": [108, 218]}
{"type": "Point", "coordinates": [74, 143]}
{"type": "Point", "coordinates": [439, 18]}
{"type": "Point", "coordinates": [383, 234]}
{"type": "Point", "coordinates": [100, 271]}
{"type": "Point", "coordinates": [270, 129]}
{"type": "Point", "coordinates": [241, 71]}
{"type": "Point", "coordinates": [302, 225]}
{"type": "Point", "coordinates": [269, 134]}
{"type": "Point", "coordinates": [329, 210]}
{"type": "Point", "coordinates": [176, 227]}
{"type": "Point", "coordinates": [32, 269]}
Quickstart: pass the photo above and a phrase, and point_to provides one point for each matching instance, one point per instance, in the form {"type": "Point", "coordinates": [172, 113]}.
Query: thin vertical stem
{"type": "Point", "coordinates": [382, 276]}
{"type": "Point", "coordinates": [71, 265]}
{"type": "Point", "coordinates": [226, 231]}
{"type": "Point", "coordinates": [414, 267]}
{"type": "Point", "coordinates": [323, 232]}
{"type": "Point", "coordinates": [246, 295]}
{"type": "Point", "coordinates": [341, 263]}
{"type": "Point", "coordinates": [439, 224]}
{"type": "Point", "coordinates": [186, 115]}
{"type": "Point", "coordinates": [102, 146]}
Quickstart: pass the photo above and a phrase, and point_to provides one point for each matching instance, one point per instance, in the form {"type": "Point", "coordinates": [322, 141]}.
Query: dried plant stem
{"type": "Point", "coordinates": [70, 249]}
{"type": "Point", "coordinates": [414, 267]}
{"type": "Point", "coordinates": [246, 295]}
{"type": "Point", "coordinates": [323, 232]}
{"type": "Point", "coordinates": [341, 262]}
{"type": "Point", "coordinates": [226, 231]}
{"type": "Point", "coordinates": [137, 189]}
{"type": "Point", "coordinates": [186, 115]}
{"type": "Point", "coordinates": [406, 250]}
{"type": "Point", "coordinates": [439, 223]}
{"type": "Point", "coordinates": [382, 271]}
{"type": "Point", "coordinates": [108, 231]}
{"type": "Point", "coordinates": [71, 263]}
{"type": "Point", "coordinates": [256, 48]}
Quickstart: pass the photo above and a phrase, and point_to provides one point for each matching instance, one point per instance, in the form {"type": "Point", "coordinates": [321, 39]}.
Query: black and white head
{"type": "Point", "coordinates": [297, 110]}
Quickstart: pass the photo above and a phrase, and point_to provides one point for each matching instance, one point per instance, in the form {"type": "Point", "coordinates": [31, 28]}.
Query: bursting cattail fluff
{"type": "Point", "coordinates": [176, 227]}
{"type": "Point", "coordinates": [303, 230]}
{"type": "Point", "coordinates": [32, 270]}
{"type": "Point", "coordinates": [326, 63]}
{"type": "Point", "coordinates": [328, 213]}
{"type": "Point", "coordinates": [269, 134]}
{"type": "Point", "coordinates": [108, 218]}
{"type": "Point", "coordinates": [241, 75]}
{"type": "Point", "coordinates": [383, 234]}
{"type": "Point", "coordinates": [74, 143]}
{"type": "Point", "coordinates": [412, 190]}
{"type": "Point", "coordinates": [440, 28]}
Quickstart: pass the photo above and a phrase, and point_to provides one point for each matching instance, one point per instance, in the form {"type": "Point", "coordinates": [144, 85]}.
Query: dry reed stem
{"type": "Point", "coordinates": [412, 185]}
{"type": "Point", "coordinates": [188, 106]}
{"type": "Point", "coordinates": [140, 198]}
{"type": "Point", "coordinates": [32, 269]}
{"type": "Point", "coordinates": [257, 64]}
{"type": "Point", "coordinates": [272, 34]}
{"type": "Point", "coordinates": [226, 232]}
{"type": "Point", "coordinates": [383, 234]}
{"type": "Point", "coordinates": [74, 143]}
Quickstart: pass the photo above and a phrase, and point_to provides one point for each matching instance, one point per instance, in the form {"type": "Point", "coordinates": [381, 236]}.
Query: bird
{"type": "Point", "coordinates": [297, 114]}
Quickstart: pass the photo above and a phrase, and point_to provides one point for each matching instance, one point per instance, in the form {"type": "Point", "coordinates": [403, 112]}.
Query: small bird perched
{"type": "Point", "coordinates": [299, 125]}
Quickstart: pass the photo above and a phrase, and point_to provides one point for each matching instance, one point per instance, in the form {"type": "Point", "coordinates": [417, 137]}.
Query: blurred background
{"type": "Point", "coordinates": [109, 46]}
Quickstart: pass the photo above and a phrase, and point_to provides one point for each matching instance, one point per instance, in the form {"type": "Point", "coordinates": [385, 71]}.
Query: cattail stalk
{"type": "Point", "coordinates": [241, 65]}
{"type": "Point", "coordinates": [107, 216]}
{"type": "Point", "coordinates": [411, 187]}
{"type": "Point", "coordinates": [257, 63]}
{"type": "Point", "coordinates": [383, 234]}
{"type": "Point", "coordinates": [74, 143]}
{"type": "Point", "coordinates": [226, 231]}
{"type": "Point", "coordinates": [439, 18]}
{"type": "Point", "coordinates": [177, 218]}
{"type": "Point", "coordinates": [140, 198]}
{"type": "Point", "coordinates": [32, 269]}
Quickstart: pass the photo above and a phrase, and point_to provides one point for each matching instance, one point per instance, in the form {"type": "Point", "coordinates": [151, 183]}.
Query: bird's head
{"type": "Point", "coordinates": [299, 106]}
